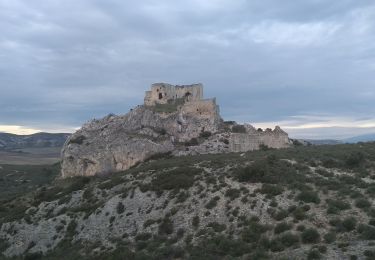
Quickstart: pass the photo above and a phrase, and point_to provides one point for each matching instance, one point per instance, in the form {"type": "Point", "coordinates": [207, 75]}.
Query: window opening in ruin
{"type": "Point", "coordinates": [160, 95]}
{"type": "Point", "coordinates": [187, 94]}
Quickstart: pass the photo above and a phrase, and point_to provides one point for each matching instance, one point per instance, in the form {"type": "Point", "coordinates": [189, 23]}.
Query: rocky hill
{"type": "Point", "coordinates": [174, 119]}
{"type": "Point", "coordinates": [303, 202]}
{"type": "Point", "coordinates": [38, 140]}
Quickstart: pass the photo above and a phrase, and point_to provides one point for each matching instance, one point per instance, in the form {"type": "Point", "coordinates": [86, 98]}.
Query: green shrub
{"type": "Point", "coordinates": [149, 222]}
{"type": "Point", "coordinates": [289, 239]}
{"type": "Point", "coordinates": [282, 227]}
{"type": "Point", "coordinates": [299, 214]}
{"type": "Point", "coordinates": [269, 171]}
{"type": "Point", "coordinates": [166, 227]}
{"type": "Point", "coordinates": [330, 237]}
{"type": "Point", "coordinates": [212, 203]}
{"type": "Point", "coordinates": [310, 236]}
{"type": "Point", "coordinates": [143, 236]}
{"type": "Point", "coordinates": [335, 206]}
{"type": "Point", "coordinates": [271, 190]}
{"type": "Point", "coordinates": [368, 233]}
{"type": "Point", "coordinates": [253, 230]}
{"type": "Point", "coordinates": [192, 142]}
{"type": "Point", "coordinates": [180, 178]}
{"type": "Point", "coordinates": [71, 229]}
{"type": "Point", "coordinates": [309, 197]}
{"type": "Point", "coordinates": [77, 139]}
{"type": "Point", "coordinates": [280, 215]}
{"type": "Point", "coordinates": [120, 208]}
{"type": "Point", "coordinates": [4, 244]}
{"type": "Point", "coordinates": [355, 159]}
{"type": "Point", "coordinates": [195, 221]}
{"type": "Point", "coordinates": [232, 193]}
{"type": "Point", "coordinates": [238, 129]}
{"type": "Point", "coordinates": [301, 228]}
{"type": "Point", "coordinates": [276, 245]}
{"type": "Point", "coordinates": [314, 254]}
{"type": "Point", "coordinates": [362, 203]}
{"type": "Point", "coordinates": [205, 134]}
{"type": "Point", "coordinates": [216, 226]}
{"type": "Point", "coordinates": [349, 223]}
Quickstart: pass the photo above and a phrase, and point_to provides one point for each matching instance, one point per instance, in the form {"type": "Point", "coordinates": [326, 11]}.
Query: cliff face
{"type": "Point", "coordinates": [116, 143]}
{"type": "Point", "coordinates": [180, 126]}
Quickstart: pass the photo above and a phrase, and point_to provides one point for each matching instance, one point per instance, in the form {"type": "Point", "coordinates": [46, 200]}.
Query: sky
{"type": "Point", "coordinates": [308, 66]}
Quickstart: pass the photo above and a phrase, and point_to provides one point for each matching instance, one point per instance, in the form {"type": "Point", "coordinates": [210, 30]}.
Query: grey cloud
{"type": "Point", "coordinates": [63, 62]}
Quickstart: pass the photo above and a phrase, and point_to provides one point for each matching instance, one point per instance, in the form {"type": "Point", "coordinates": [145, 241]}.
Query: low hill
{"type": "Point", "coordinates": [360, 138]}
{"type": "Point", "coordinates": [296, 203]}
{"type": "Point", "coordinates": [38, 140]}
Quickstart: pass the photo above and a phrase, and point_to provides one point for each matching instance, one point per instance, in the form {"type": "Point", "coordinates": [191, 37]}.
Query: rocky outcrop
{"type": "Point", "coordinates": [181, 125]}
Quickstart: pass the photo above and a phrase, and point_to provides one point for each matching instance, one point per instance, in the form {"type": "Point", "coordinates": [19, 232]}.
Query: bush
{"type": "Point", "coordinates": [143, 236]}
{"type": "Point", "coordinates": [253, 231]}
{"type": "Point", "coordinates": [195, 221]}
{"type": "Point", "coordinates": [120, 208]}
{"type": "Point", "coordinates": [310, 236]}
{"type": "Point", "coordinates": [232, 193]}
{"type": "Point", "coordinates": [349, 223]}
{"type": "Point", "coordinates": [271, 190]}
{"type": "Point", "coordinates": [309, 197]}
{"type": "Point", "coordinates": [166, 227]}
{"type": "Point", "coordinates": [192, 142]}
{"type": "Point", "coordinates": [71, 229]}
{"type": "Point", "coordinates": [330, 237]}
{"type": "Point", "coordinates": [362, 203]}
{"type": "Point", "coordinates": [368, 233]}
{"type": "Point", "coordinates": [205, 134]}
{"type": "Point", "coordinates": [299, 214]}
{"type": "Point", "coordinates": [289, 239]}
{"type": "Point", "coordinates": [335, 206]}
{"type": "Point", "coordinates": [314, 254]}
{"type": "Point", "coordinates": [276, 245]}
{"type": "Point", "coordinates": [280, 215]}
{"type": "Point", "coordinates": [216, 226]}
{"type": "Point", "coordinates": [282, 227]}
{"type": "Point", "coordinates": [212, 203]}
{"type": "Point", "coordinates": [238, 129]}
{"type": "Point", "coordinates": [354, 159]}
{"type": "Point", "coordinates": [180, 178]}
{"type": "Point", "coordinates": [77, 139]}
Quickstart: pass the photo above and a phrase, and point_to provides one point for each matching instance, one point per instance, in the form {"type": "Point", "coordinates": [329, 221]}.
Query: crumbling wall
{"type": "Point", "coordinates": [249, 141]}
{"type": "Point", "coordinates": [161, 93]}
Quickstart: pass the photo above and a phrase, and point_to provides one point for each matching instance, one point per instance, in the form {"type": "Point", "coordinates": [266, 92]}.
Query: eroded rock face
{"type": "Point", "coordinates": [182, 125]}
{"type": "Point", "coordinates": [115, 143]}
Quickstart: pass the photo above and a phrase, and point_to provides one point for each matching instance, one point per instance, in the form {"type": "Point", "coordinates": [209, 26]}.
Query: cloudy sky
{"type": "Point", "coordinates": [308, 66]}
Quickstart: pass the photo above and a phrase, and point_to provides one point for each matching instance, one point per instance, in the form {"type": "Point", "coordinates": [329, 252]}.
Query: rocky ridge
{"type": "Point", "coordinates": [173, 121]}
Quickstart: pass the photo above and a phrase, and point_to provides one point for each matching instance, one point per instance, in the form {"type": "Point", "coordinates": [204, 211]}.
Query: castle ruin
{"type": "Point", "coordinates": [174, 119]}
{"type": "Point", "coordinates": [161, 93]}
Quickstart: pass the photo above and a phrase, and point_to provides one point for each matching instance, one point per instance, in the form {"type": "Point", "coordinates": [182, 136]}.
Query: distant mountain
{"type": "Point", "coordinates": [323, 141]}
{"type": "Point", "coordinates": [38, 140]}
{"type": "Point", "coordinates": [318, 142]}
{"type": "Point", "coordinates": [360, 138]}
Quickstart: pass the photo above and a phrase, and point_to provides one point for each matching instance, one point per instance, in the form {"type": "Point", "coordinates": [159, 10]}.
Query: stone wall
{"type": "Point", "coordinates": [249, 141]}
{"type": "Point", "coordinates": [161, 93]}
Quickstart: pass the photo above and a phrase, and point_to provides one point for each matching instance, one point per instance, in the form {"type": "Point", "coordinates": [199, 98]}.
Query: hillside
{"type": "Point", "coordinates": [296, 203]}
